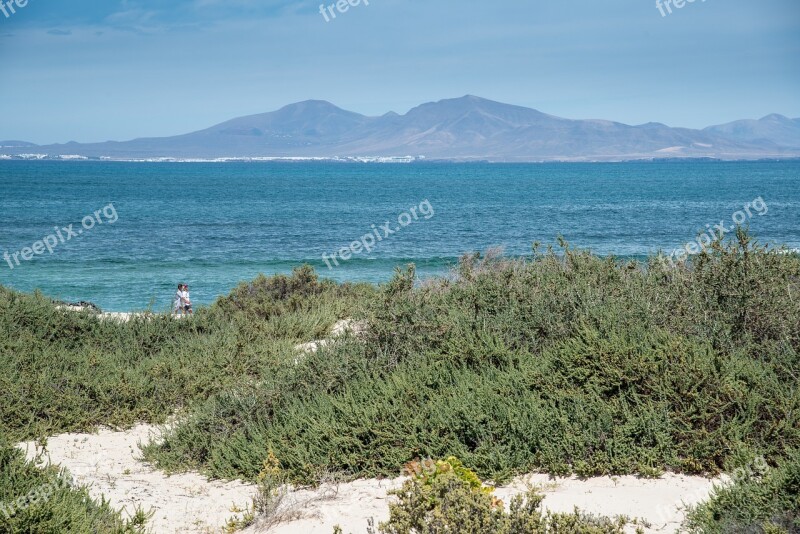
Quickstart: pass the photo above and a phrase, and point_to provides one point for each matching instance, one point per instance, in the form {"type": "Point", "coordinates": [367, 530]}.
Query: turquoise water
{"type": "Point", "coordinates": [214, 225]}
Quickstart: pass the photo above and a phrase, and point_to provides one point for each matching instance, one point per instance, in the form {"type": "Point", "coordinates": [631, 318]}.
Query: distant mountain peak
{"type": "Point", "coordinates": [313, 107]}
{"type": "Point", "coordinates": [772, 129]}
{"type": "Point", "coordinates": [775, 117]}
{"type": "Point", "coordinates": [312, 104]}
{"type": "Point", "coordinates": [473, 98]}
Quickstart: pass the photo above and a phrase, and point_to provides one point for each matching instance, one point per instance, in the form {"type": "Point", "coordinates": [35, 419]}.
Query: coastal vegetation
{"type": "Point", "coordinates": [564, 362]}
{"type": "Point", "coordinates": [767, 501]}
{"type": "Point", "coordinates": [445, 496]}
{"type": "Point", "coordinates": [42, 499]}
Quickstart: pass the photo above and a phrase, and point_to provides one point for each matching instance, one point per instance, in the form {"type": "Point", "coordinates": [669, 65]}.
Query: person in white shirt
{"type": "Point", "coordinates": [178, 303]}
{"type": "Point", "coordinates": [187, 301]}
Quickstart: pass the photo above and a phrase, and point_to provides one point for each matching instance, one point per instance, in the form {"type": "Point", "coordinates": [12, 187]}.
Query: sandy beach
{"type": "Point", "coordinates": [109, 463]}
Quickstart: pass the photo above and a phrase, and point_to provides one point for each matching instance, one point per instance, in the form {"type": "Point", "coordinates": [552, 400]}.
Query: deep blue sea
{"type": "Point", "coordinates": [215, 225]}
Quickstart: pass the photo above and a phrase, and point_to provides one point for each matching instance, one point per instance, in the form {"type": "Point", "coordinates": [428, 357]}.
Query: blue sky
{"type": "Point", "coordinates": [89, 70]}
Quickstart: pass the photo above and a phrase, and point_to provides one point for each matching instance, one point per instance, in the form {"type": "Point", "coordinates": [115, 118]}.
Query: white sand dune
{"type": "Point", "coordinates": [340, 329]}
{"type": "Point", "coordinates": [660, 503]}
{"type": "Point", "coordinates": [109, 463]}
{"type": "Point", "coordinates": [189, 503]}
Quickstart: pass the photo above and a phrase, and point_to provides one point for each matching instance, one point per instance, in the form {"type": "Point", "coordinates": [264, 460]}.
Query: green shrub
{"type": "Point", "coordinates": [756, 502]}
{"type": "Point", "coordinates": [445, 497]}
{"type": "Point", "coordinates": [40, 501]}
{"type": "Point", "coordinates": [298, 306]}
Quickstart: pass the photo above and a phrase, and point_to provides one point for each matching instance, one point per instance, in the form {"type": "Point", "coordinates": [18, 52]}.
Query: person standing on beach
{"type": "Point", "coordinates": [178, 304]}
{"type": "Point", "coordinates": [187, 301]}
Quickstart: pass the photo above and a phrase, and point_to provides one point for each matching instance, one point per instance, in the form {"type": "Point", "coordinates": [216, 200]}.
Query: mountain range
{"type": "Point", "coordinates": [464, 129]}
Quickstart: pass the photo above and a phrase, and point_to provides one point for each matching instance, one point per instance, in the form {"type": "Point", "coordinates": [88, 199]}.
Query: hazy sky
{"type": "Point", "coordinates": [92, 70]}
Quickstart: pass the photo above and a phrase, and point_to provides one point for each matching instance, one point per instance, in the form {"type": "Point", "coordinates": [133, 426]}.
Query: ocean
{"type": "Point", "coordinates": [138, 229]}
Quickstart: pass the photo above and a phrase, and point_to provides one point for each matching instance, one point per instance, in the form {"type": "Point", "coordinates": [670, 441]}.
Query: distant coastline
{"type": "Point", "coordinates": [381, 159]}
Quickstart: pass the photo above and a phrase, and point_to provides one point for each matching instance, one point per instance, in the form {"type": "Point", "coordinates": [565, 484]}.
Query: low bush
{"type": "Point", "coordinates": [43, 500]}
{"type": "Point", "coordinates": [444, 497]}
{"type": "Point", "coordinates": [757, 502]}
